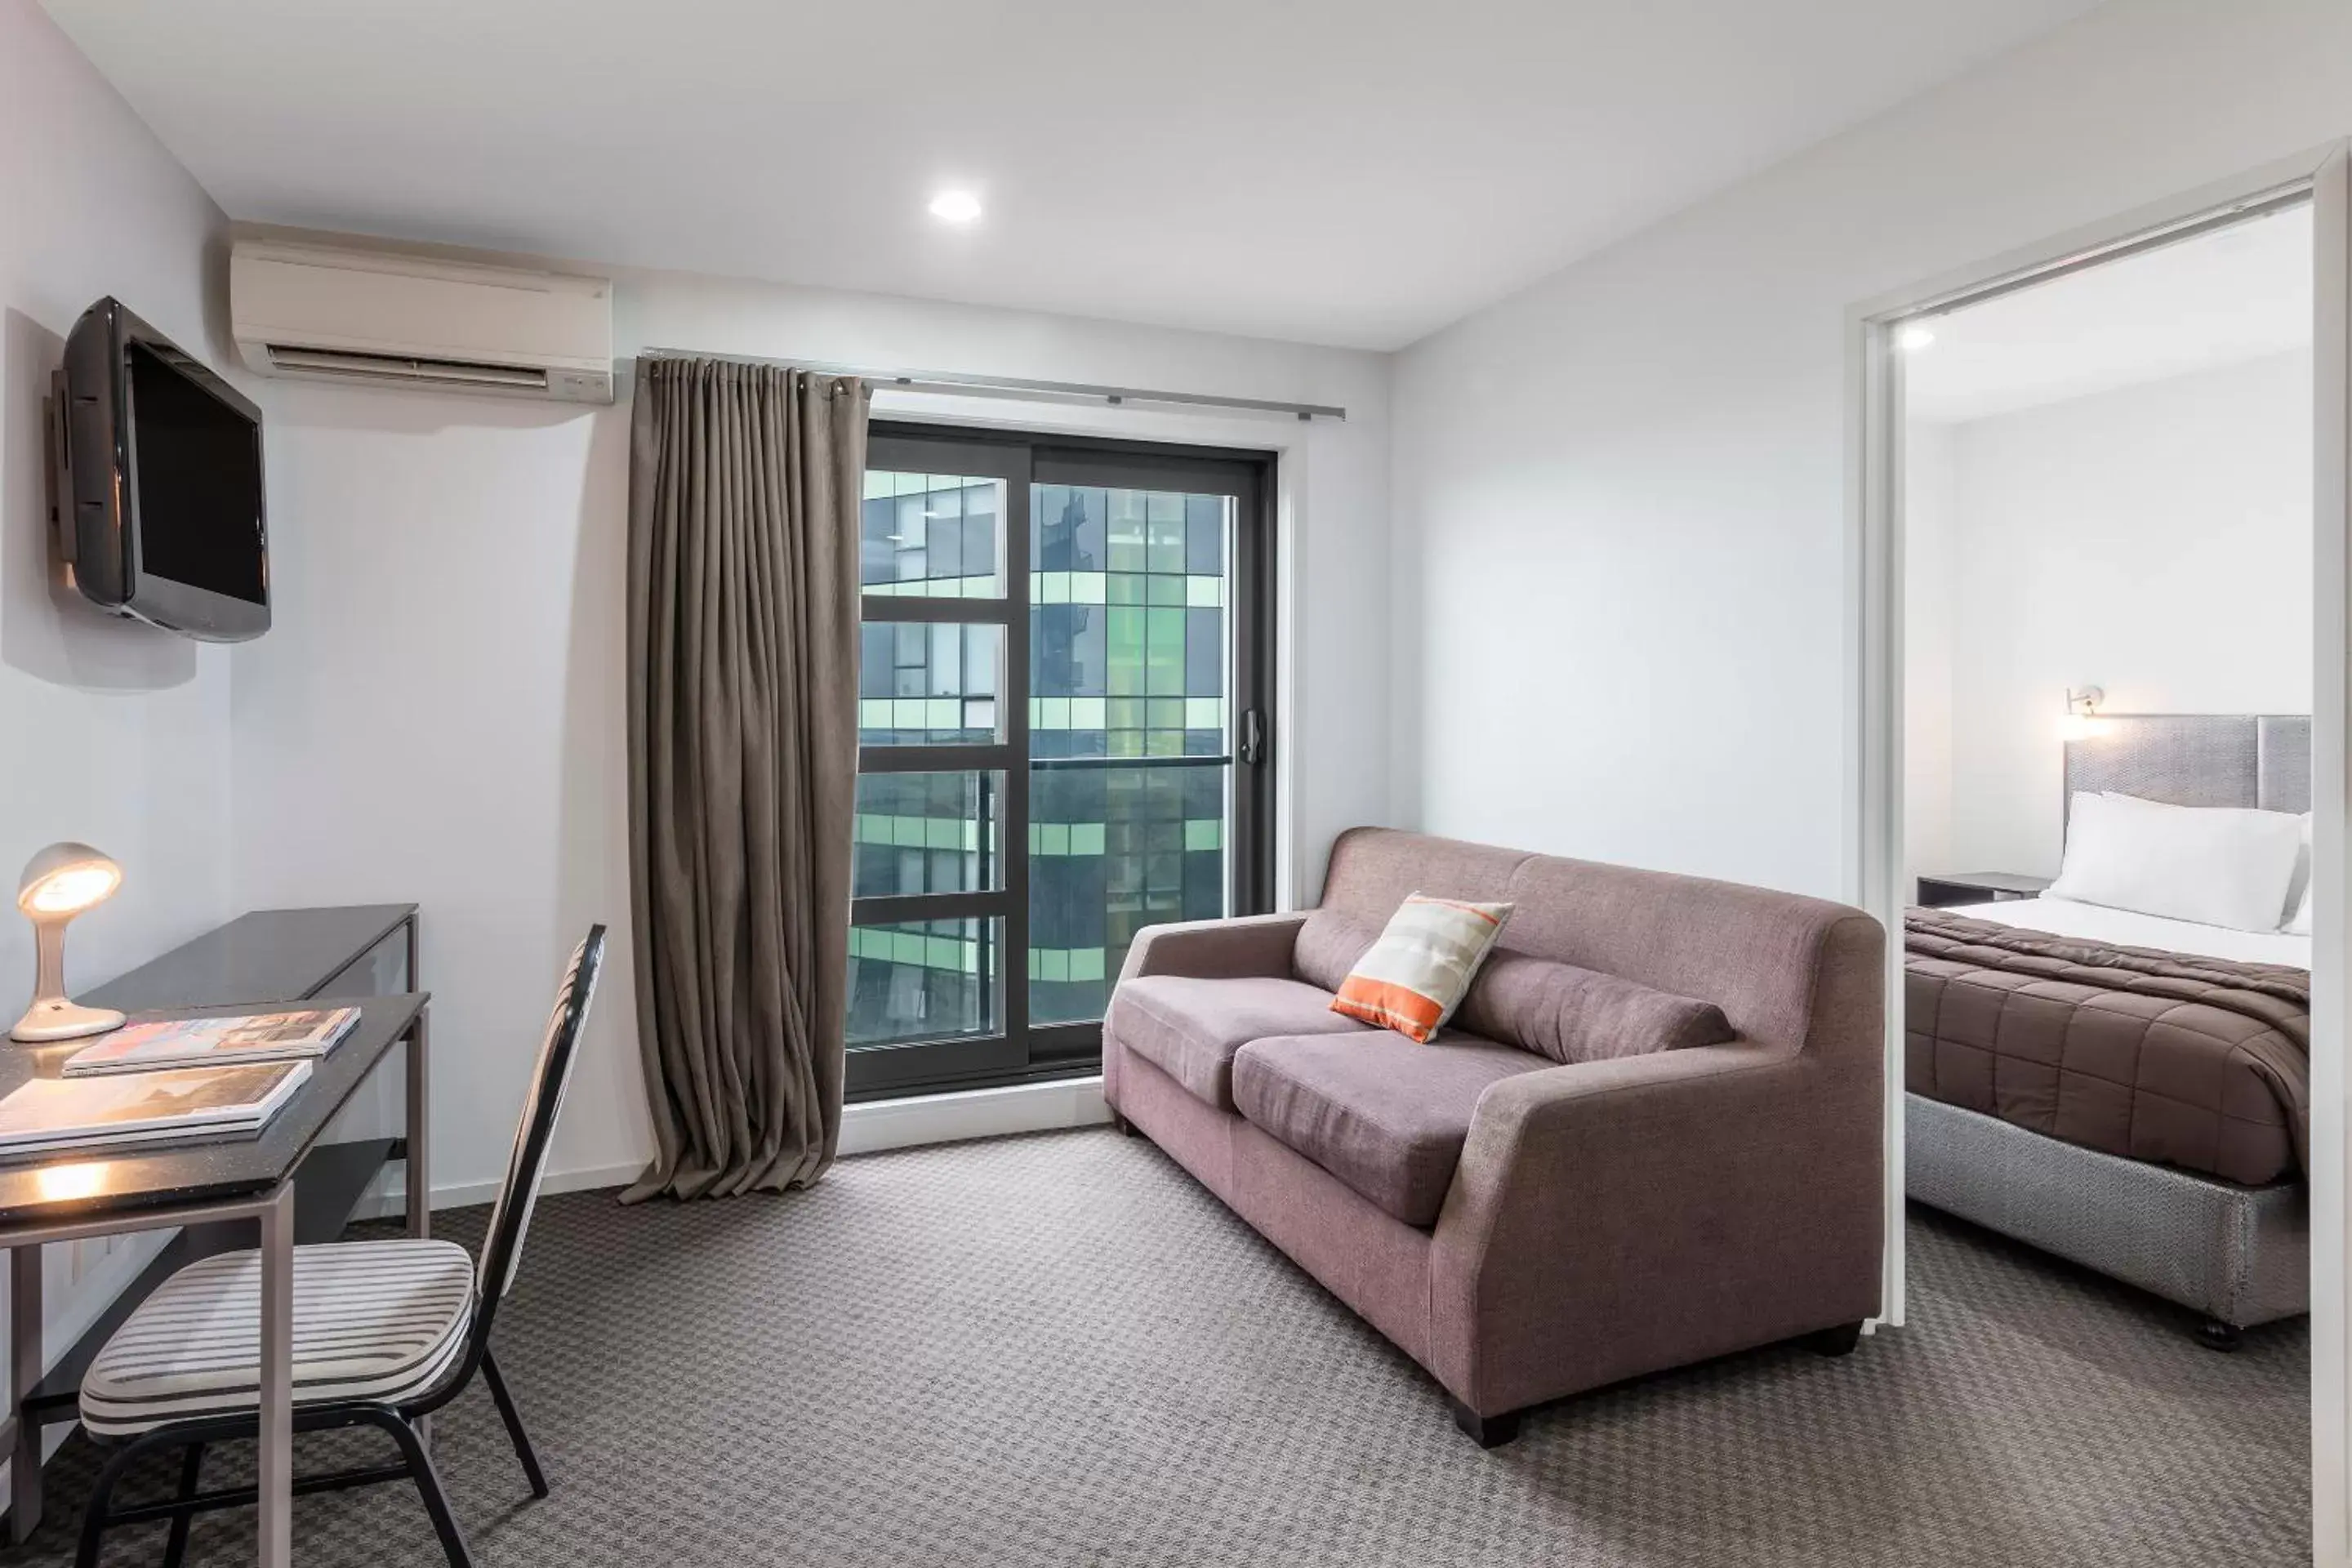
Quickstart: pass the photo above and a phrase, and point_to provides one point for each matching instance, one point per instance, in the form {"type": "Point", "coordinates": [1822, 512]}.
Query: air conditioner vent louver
{"type": "Point", "coordinates": [315, 312]}
{"type": "Point", "coordinates": [397, 367]}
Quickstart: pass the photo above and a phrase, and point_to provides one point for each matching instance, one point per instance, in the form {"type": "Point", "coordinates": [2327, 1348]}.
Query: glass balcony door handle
{"type": "Point", "coordinates": [1253, 737]}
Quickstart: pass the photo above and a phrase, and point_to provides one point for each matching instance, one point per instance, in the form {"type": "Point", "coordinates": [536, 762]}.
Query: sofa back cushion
{"type": "Point", "coordinates": [1372, 872]}
{"type": "Point", "coordinates": [1573, 1015]}
{"type": "Point", "coordinates": [1331, 942]}
{"type": "Point", "coordinates": [1785, 969]}
{"type": "Point", "coordinates": [1372, 869]}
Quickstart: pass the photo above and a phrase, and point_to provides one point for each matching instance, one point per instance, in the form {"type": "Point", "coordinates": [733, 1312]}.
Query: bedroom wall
{"type": "Point", "coordinates": [1620, 496]}
{"type": "Point", "coordinates": [438, 713]}
{"type": "Point", "coordinates": [1928, 497]}
{"type": "Point", "coordinates": [2153, 540]}
{"type": "Point", "coordinates": [133, 723]}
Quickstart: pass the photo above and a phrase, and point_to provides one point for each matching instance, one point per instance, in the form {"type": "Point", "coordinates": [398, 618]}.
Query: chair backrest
{"type": "Point", "coordinates": [558, 1048]}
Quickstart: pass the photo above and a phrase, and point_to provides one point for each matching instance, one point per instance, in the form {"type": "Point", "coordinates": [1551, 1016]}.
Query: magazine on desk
{"type": "Point", "coordinates": [49, 1115]}
{"type": "Point", "coordinates": [214, 1042]}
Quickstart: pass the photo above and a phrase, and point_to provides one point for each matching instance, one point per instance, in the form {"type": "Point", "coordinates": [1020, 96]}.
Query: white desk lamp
{"type": "Point", "coordinates": [59, 883]}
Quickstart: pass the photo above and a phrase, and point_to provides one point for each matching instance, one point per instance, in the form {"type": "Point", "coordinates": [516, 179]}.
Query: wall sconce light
{"type": "Point", "coordinates": [2082, 721]}
{"type": "Point", "coordinates": [59, 883]}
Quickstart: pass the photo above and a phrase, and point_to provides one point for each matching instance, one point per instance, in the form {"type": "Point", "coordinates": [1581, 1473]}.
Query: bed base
{"type": "Point", "coordinates": [2240, 1256]}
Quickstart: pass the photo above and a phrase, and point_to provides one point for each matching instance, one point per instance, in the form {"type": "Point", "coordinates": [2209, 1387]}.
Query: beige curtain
{"type": "Point", "coordinates": [744, 487]}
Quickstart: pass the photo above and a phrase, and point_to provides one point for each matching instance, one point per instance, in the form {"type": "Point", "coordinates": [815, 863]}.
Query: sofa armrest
{"type": "Point", "coordinates": [1648, 1211]}
{"type": "Point", "coordinates": [1216, 950]}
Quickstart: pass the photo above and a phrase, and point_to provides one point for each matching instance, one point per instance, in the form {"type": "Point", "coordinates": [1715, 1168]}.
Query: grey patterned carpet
{"type": "Point", "coordinates": [1057, 1350]}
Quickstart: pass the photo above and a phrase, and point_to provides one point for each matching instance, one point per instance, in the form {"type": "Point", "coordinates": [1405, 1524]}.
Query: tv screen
{"type": "Point", "coordinates": [164, 474]}
{"type": "Point", "coordinates": [199, 470]}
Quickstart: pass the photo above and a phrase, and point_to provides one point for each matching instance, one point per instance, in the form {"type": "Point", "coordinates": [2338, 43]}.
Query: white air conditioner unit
{"type": "Point", "coordinates": [370, 317]}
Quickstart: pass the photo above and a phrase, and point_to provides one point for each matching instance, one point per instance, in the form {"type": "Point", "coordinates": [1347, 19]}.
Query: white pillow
{"type": "Point", "coordinates": [2299, 922]}
{"type": "Point", "coordinates": [2218, 865]}
{"type": "Point", "coordinates": [2298, 890]}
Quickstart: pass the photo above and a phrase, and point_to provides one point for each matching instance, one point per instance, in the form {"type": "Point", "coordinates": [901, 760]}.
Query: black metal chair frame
{"type": "Point", "coordinates": [399, 1418]}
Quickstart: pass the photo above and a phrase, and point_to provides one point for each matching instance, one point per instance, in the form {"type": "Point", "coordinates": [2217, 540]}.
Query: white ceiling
{"type": "Point", "coordinates": [1347, 172]}
{"type": "Point", "coordinates": [2236, 294]}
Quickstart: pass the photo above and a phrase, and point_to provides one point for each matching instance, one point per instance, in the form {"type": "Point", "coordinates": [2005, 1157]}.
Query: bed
{"type": "Point", "coordinates": [2123, 1089]}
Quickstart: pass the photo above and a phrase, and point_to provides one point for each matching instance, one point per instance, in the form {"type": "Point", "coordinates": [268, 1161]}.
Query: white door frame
{"type": "Point", "coordinates": [1874, 872]}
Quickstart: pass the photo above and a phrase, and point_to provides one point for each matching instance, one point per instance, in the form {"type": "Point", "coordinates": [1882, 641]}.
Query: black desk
{"type": "Point", "coordinates": [1944, 892]}
{"type": "Point", "coordinates": [277, 956]}
{"type": "Point", "coordinates": [216, 1190]}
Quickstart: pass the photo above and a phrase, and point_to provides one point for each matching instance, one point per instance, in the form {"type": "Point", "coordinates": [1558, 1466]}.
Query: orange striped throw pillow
{"type": "Point", "coordinates": [1412, 978]}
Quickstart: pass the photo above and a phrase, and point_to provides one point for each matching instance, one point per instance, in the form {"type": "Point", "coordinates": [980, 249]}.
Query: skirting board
{"type": "Point", "coordinates": [867, 1128]}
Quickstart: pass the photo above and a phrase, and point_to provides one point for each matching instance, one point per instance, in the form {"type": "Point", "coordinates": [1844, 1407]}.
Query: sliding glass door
{"type": "Point", "coordinates": [1064, 737]}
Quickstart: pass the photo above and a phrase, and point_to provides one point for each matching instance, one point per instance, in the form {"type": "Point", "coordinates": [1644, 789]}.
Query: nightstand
{"type": "Point", "coordinates": [1978, 887]}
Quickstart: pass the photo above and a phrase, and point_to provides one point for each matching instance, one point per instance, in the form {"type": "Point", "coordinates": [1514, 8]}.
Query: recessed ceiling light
{"type": "Point", "coordinates": [955, 206]}
{"type": "Point", "coordinates": [1914, 338]}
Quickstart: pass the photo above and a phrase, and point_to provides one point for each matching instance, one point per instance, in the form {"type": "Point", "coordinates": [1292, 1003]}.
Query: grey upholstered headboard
{"type": "Point", "coordinates": [2198, 759]}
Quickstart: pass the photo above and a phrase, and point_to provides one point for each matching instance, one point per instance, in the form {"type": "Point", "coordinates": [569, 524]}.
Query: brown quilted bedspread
{"type": "Point", "coordinates": [2198, 1062]}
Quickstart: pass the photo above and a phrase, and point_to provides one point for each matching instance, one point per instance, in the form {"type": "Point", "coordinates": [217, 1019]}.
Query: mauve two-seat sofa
{"type": "Point", "coordinates": [1522, 1228]}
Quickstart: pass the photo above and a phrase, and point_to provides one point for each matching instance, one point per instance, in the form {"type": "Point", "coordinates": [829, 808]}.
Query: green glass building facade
{"type": "Point", "coordinates": [1129, 715]}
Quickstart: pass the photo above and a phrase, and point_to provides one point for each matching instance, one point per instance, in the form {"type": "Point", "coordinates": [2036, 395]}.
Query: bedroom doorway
{"type": "Point", "coordinates": [2100, 645]}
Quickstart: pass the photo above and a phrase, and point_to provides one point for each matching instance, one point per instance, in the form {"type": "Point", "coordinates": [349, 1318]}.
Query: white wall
{"type": "Point", "coordinates": [437, 714]}
{"type": "Point", "coordinates": [133, 725]}
{"type": "Point", "coordinates": [1928, 496]}
{"type": "Point", "coordinates": [1620, 496]}
{"type": "Point", "coordinates": [132, 722]}
{"type": "Point", "coordinates": [2153, 540]}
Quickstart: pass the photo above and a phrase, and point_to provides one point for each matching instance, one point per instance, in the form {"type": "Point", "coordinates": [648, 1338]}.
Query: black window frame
{"type": "Point", "coordinates": [1018, 1052]}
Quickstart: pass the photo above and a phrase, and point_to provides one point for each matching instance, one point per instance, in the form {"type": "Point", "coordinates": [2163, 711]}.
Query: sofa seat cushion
{"type": "Point", "coordinates": [1190, 1028]}
{"type": "Point", "coordinates": [1385, 1115]}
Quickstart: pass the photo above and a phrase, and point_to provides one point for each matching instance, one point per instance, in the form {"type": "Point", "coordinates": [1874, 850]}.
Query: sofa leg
{"type": "Point", "coordinates": [1486, 1431]}
{"type": "Point", "coordinates": [2216, 1335]}
{"type": "Point", "coordinates": [1839, 1340]}
{"type": "Point", "coordinates": [1125, 1128]}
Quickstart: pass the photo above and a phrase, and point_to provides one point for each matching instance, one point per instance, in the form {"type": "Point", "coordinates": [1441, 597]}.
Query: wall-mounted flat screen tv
{"type": "Point", "coordinates": [159, 508]}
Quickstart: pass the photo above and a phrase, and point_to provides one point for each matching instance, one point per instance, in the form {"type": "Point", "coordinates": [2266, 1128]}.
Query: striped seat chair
{"type": "Point", "coordinates": [385, 1332]}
